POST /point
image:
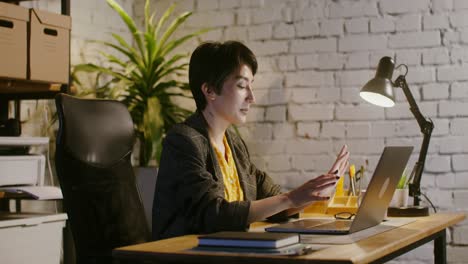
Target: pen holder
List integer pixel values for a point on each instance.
(340, 204)
(319, 207)
(336, 204)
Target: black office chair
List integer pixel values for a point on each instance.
(94, 144)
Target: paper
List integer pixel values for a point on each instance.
(37, 192)
(23, 141)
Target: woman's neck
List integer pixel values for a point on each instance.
(216, 126)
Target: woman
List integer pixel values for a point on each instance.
(206, 181)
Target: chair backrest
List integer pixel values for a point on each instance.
(94, 144)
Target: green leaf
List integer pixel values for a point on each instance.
(113, 59)
(163, 20)
(174, 44)
(129, 22)
(147, 17)
(123, 43)
(174, 25)
(85, 67)
(402, 184)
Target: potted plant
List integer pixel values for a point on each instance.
(143, 78)
(401, 195)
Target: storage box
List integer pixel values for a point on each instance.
(49, 47)
(337, 204)
(31, 238)
(13, 41)
(22, 170)
(343, 204)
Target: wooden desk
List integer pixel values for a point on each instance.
(379, 248)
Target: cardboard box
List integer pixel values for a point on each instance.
(31, 238)
(49, 46)
(13, 41)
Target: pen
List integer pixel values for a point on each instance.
(352, 183)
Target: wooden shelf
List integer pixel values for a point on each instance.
(16, 1)
(25, 89)
(16, 89)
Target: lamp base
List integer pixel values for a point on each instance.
(410, 211)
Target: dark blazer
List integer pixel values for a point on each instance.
(189, 196)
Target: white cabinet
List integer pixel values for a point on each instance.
(31, 238)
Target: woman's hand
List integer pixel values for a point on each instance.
(302, 196)
(310, 190)
(341, 163)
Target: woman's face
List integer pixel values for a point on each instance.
(236, 96)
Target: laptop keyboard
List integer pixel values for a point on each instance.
(335, 225)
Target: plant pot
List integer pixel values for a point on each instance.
(146, 183)
(400, 198)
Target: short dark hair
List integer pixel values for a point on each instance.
(213, 62)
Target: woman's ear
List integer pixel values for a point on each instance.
(208, 92)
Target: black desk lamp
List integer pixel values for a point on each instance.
(379, 91)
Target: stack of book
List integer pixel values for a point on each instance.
(253, 242)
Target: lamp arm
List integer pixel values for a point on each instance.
(426, 126)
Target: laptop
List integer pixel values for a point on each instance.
(374, 204)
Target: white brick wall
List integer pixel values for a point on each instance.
(459, 18)
(358, 130)
(353, 9)
(435, 22)
(415, 39)
(333, 130)
(309, 79)
(331, 27)
(378, 25)
(442, 5)
(306, 28)
(360, 43)
(313, 45)
(276, 114)
(358, 25)
(459, 126)
(259, 32)
(459, 90)
(308, 130)
(403, 6)
(279, 163)
(435, 56)
(357, 60)
(309, 112)
(410, 22)
(315, 55)
(362, 112)
(434, 91)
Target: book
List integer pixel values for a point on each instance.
(249, 239)
(291, 250)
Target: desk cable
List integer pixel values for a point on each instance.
(429, 201)
(49, 167)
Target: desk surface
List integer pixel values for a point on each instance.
(364, 251)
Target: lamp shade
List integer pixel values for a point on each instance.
(379, 91)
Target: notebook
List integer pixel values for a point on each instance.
(253, 242)
(374, 203)
(248, 239)
(297, 249)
